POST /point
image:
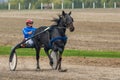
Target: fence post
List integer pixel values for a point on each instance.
(41, 6)
(114, 4)
(93, 4)
(72, 5)
(62, 6)
(18, 6)
(104, 5)
(52, 5)
(29, 6)
(83, 6)
(8, 6)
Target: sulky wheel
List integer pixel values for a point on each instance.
(13, 61)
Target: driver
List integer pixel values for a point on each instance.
(28, 32)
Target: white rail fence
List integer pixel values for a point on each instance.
(62, 6)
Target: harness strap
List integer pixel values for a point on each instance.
(57, 38)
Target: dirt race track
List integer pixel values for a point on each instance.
(95, 29)
(78, 69)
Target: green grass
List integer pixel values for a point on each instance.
(5, 50)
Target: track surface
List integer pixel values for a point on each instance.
(78, 69)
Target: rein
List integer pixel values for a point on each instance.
(18, 45)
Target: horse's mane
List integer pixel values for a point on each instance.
(57, 20)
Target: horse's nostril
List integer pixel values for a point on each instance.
(72, 29)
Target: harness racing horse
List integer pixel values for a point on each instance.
(54, 39)
(50, 38)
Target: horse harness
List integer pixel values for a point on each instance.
(52, 40)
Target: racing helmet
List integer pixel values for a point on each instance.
(29, 21)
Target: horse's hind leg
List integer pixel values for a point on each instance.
(50, 59)
(37, 58)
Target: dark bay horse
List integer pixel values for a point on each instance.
(54, 39)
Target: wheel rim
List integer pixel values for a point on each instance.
(13, 63)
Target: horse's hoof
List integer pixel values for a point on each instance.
(51, 63)
(62, 70)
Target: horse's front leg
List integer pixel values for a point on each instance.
(37, 58)
(59, 63)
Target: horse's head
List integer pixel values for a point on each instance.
(67, 20)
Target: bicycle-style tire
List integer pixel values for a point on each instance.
(13, 61)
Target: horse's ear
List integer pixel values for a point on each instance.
(63, 13)
(70, 13)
